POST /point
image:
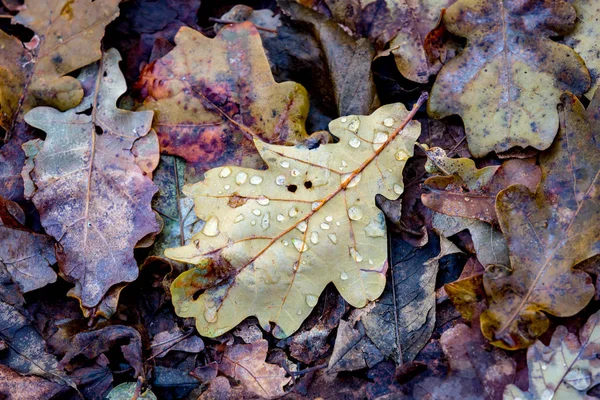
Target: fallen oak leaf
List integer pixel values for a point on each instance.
(548, 232)
(246, 363)
(175, 340)
(274, 239)
(353, 349)
(90, 194)
(211, 97)
(566, 368)
(506, 83)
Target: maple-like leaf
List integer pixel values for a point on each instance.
(90, 194)
(246, 363)
(274, 239)
(212, 96)
(566, 368)
(27, 256)
(585, 39)
(507, 82)
(67, 37)
(548, 232)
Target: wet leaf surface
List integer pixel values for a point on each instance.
(267, 233)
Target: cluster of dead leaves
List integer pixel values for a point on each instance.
(180, 194)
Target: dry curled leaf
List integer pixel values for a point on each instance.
(246, 363)
(90, 194)
(274, 239)
(507, 82)
(585, 39)
(566, 368)
(27, 256)
(548, 232)
(212, 96)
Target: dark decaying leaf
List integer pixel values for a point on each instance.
(27, 256)
(26, 352)
(548, 232)
(402, 320)
(93, 343)
(353, 349)
(144, 24)
(175, 340)
(347, 61)
(311, 342)
(17, 387)
(475, 371)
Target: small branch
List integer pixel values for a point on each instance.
(302, 372)
(225, 21)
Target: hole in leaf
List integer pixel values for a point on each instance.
(308, 184)
(292, 188)
(98, 130)
(197, 294)
(87, 111)
(105, 74)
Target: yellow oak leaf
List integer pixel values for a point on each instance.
(507, 81)
(274, 239)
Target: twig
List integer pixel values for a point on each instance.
(302, 372)
(225, 21)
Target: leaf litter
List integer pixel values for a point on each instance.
(487, 251)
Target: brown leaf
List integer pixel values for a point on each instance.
(89, 192)
(506, 83)
(348, 61)
(26, 353)
(548, 232)
(468, 192)
(476, 372)
(213, 96)
(93, 343)
(16, 387)
(26, 255)
(353, 349)
(246, 363)
(175, 340)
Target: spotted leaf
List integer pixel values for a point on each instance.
(274, 239)
(212, 96)
(507, 82)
